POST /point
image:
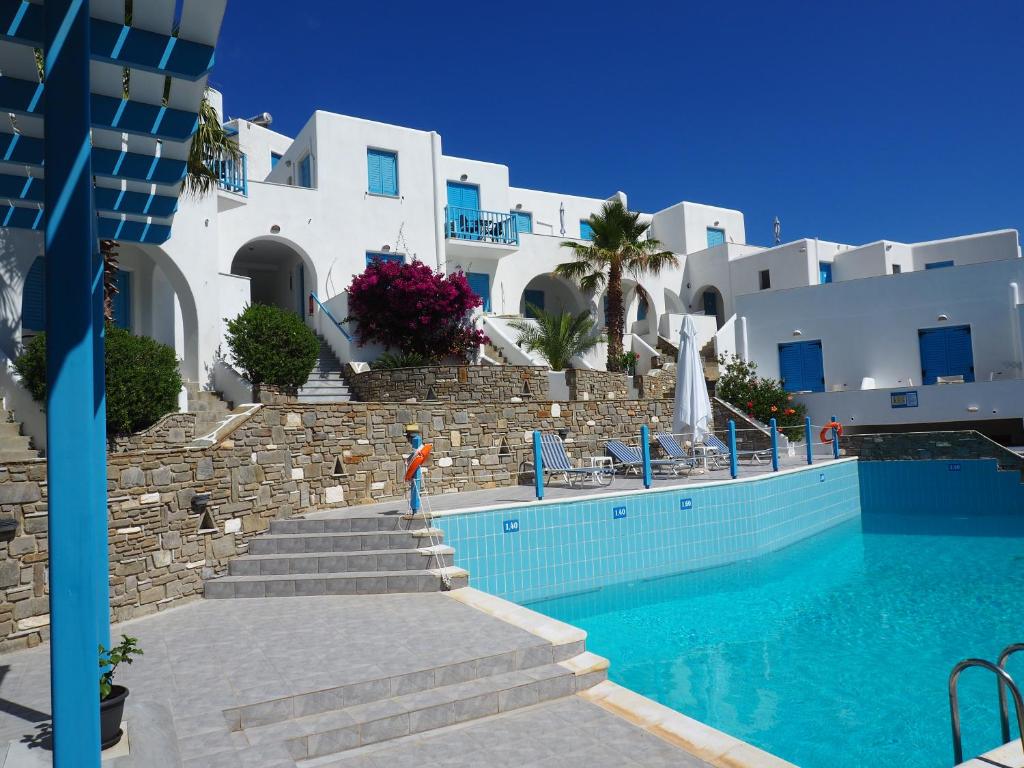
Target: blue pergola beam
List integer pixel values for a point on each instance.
(77, 508)
(139, 203)
(23, 97)
(130, 231)
(22, 22)
(110, 163)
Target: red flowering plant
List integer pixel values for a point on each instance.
(412, 308)
(760, 398)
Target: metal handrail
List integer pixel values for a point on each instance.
(1004, 715)
(484, 226)
(333, 319)
(954, 707)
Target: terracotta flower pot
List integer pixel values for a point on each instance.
(111, 713)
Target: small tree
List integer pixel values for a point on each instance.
(272, 346)
(760, 398)
(412, 308)
(557, 337)
(142, 379)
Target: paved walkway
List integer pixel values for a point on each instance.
(208, 656)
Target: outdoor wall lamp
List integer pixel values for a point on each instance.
(798, 332)
(519, 206)
(464, 177)
(385, 248)
(942, 318)
(275, 229)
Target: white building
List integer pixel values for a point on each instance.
(304, 215)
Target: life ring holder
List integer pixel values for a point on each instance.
(825, 436)
(417, 459)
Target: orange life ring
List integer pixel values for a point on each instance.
(825, 436)
(417, 460)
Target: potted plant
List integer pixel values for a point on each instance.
(112, 697)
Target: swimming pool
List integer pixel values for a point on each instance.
(834, 652)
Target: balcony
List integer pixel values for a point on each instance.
(473, 232)
(232, 175)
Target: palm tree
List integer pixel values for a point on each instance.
(558, 337)
(619, 245)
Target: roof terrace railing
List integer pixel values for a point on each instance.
(481, 226)
(232, 175)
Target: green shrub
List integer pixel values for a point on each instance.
(761, 398)
(142, 377)
(272, 346)
(401, 360)
(558, 337)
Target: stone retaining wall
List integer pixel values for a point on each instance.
(451, 383)
(658, 384)
(901, 446)
(281, 461)
(172, 430)
(585, 384)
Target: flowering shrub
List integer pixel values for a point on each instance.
(762, 399)
(414, 309)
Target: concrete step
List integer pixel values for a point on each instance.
(329, 543)
(322, 382)
(348, 583)
(9, 429)
(355, 522)
(337, 731)
(15, 443)
(326, 398)
(382, 560)
(6, 456)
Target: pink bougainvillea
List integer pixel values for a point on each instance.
(412, 308)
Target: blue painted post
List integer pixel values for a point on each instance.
(835, 441)
(99, 388)
(807, 439)
(773, 425)
(645, 453)
(75, 464)
(538, 466)
(733, 465)
(414, 487)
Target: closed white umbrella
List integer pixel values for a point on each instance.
(693, 416)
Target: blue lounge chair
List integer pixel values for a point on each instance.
(675, 451)
(720, 451)
(629, 459)
(555, 461)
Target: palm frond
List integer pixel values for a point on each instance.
(556, 336)
(210, 144)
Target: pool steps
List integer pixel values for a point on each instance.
(344, 555)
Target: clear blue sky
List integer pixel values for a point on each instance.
(901, 119)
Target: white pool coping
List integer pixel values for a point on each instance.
(692, 736)
(1010, 755)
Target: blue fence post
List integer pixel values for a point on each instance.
(645, 453)
(416, 441)
(835, 441)
(733, 465)
(807, 439)
(538, 466)
(773, 425)
(76, 508)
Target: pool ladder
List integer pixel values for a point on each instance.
(1004, 682)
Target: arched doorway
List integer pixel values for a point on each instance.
(551, 294)
(708, 300)
(279, 273)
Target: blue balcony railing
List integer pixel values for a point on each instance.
(232, 175)
(481, 226)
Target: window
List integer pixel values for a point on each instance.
(382, 171)
(586, 231)
(532, 298)
(800, 367)
(274, 158)
(372, 256)
(480, 284)
(33, 302)
(896, 269)
(938, 264)
(710, 299)
(524, 222)
(715, 237)
(946, 352)
(765, 279)
(306, 171)
(824, 272)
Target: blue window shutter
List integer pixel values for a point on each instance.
(524, 222)
(33, 303)
(586, 231)
(641, 311)
(274, 158)
(946, 352)
(801, 367)
(825, 272)
(715, 236)
(813, 366)
(389, 173)
(959, 352)
(480, 284)
(372, 256)
(536, 298)
(306, 172)
(123, 301)
(710, 303)
(463, 196)
(938, 264)
(375, 182)
(791, 368)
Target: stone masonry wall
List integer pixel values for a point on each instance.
(172, 430)
(281, 461)
(658, 384)
(585, 384)
(964, 444)
(451, 383)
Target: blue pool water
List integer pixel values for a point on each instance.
(833, 652)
